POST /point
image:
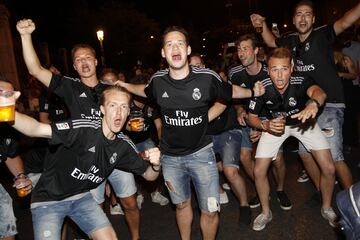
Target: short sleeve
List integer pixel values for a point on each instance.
(9, 148)
(64, 133)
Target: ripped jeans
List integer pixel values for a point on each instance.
(199, 168)
(8, 221)
(331, 122)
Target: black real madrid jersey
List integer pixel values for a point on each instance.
(184, 106)
(93, 158)
(81, 100)
(292, 101)
(315, 57)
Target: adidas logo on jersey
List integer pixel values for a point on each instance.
(83, 95)
(269, 102)
(165, 95)
(92, 149)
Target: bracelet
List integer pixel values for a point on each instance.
(156, 170)
(252, 92)
(20, 176)
(311, 100)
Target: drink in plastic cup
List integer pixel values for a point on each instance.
(20, 190)
(282, 116)
(259, 29)
(135, 118)
(7, 106)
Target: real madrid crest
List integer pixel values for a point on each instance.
(196, 94)
(292, 102)
(113, 158)
(307, 47)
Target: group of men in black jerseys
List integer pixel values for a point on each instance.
(301, 84)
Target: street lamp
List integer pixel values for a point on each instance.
(100, 36)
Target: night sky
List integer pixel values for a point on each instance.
(63, 23)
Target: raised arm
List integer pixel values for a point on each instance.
(259, 21)
(25, 27)
(137, 89)
(31, 127)
(347, 20)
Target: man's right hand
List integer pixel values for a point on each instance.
(25, 26)
(257, 20)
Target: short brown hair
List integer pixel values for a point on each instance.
(115, 88)
(280, 53)
(82, 45)
(254, 40)
(304, 3)
(176, 29)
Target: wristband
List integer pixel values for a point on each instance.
(252, 93)
(311, 100)
(20, 176)
(156, 170)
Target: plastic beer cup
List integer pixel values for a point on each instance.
(7, 106)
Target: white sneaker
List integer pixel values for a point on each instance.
(139, 200)
(261, 221)
(304, 177)
(157, 197)
(116, 210)
(331, 216)
(224, 198)
(226, 186)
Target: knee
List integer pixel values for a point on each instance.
(231, 173)
(329, 169)
(245, 156)
(259, 172)
(183, 205)
(209, 215)
(129, 203)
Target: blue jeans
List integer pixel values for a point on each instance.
(331, 122)
(142, 146)
(123, 184)
(349, 208)
(8, 220)
(85, 212)
(200, 168)
(245, 140)
(227, 144)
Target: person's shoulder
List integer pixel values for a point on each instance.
(205, 72)
(235, 70)
(159, 74)
(123, 138)
(266, 82)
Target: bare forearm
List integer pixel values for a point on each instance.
(347, 20)
(32, 61)
(216, 110)
(137, 89)
(268, 36)
(15, 165)
(240, 92)
(31, 127)
(150, 174)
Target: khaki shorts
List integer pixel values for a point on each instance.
(310, 136)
